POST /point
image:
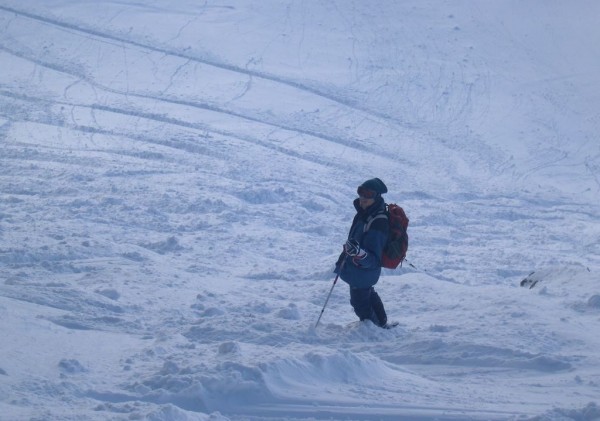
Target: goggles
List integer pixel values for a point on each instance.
(365, 193)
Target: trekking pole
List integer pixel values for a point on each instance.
(329, 295)
(425, 271)
(413, 266)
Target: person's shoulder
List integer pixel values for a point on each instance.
(379, 221)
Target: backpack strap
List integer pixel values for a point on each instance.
(380, 215)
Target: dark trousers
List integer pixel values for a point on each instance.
(367, 305)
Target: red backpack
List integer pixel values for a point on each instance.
(395, 249)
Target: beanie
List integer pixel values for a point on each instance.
(376, 185)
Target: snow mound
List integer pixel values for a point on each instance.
(316, 368)
(319, 376)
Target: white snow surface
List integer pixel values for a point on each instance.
(177, 178)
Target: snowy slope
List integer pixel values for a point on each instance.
(176, 183)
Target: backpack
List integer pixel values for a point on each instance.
(395, 249)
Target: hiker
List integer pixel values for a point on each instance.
(359, 264)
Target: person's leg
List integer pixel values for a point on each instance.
(360, 298)
(378, 307)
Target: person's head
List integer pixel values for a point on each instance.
(370, 191)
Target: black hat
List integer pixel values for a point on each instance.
(374, 184)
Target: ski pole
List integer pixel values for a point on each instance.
(413, 266)
(425, 271)
(329, 295)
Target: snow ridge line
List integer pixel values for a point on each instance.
(220, 65)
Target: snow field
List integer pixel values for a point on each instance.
(176, 183)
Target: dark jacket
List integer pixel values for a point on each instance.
(365, 273)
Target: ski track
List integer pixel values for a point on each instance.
(183, 103)
(397, 132)
(280, 125)
(140, 113)
(293, 84)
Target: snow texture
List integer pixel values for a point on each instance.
(176, 182)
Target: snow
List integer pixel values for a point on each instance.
(176, 181)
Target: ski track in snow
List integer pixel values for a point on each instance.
(170, 216)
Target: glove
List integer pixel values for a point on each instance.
(352, 248)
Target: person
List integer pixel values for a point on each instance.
(359, 264)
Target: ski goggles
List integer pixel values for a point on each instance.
(365, 193)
